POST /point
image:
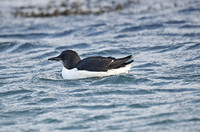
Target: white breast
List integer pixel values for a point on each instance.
(78, 74)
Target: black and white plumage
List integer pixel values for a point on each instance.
(95, 66)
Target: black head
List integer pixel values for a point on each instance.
(69, 58)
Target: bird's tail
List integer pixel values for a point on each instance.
(121, 62)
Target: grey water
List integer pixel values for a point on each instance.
(160, 93)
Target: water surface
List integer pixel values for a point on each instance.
(161, 92)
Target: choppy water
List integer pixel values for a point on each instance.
(161, 92)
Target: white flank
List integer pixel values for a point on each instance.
(78, 74)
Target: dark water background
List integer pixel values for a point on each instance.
(161, 92)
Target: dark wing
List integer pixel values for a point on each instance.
(95, 63)
(121, 62)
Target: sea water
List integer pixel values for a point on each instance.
(160, 93)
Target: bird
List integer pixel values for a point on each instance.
(94, 66)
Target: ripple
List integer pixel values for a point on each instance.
(98, 107)
(170, 34)
(118, 79)
(152, 64)
(163, 48)
(61, 34)
(96, 33)
(193, 120)
(96, 118)
(51, 121)
(168, 78)
(196, 101)
(8, 123)
(91, 107)
(24, 47)
(173, 90)
(191, 35)
(163, 122)
(114, 92)
(26, 112)
(142, 27)
(109, 52)
(74, 46)
(187, 26)
(17, 113)
(15, 47)
(175, 22)
(97, 25)
(138, 106)
(74, 127)
(161, 83)
(194, 58)
(57, 79)
(106, 41)
(14, 92)
(26, 97)
(37, 35)
(194, 46)
(191, 9)
(122, 36)
(167, 114)
(6, 46)
(47, 100)
(25, 36)
(78, 90)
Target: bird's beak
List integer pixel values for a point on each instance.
(55, 58)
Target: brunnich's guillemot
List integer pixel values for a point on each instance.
(95, 66)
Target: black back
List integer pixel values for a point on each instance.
(98, 63)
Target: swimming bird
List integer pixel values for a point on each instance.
(95, 66)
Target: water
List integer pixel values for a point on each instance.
(161, 92)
